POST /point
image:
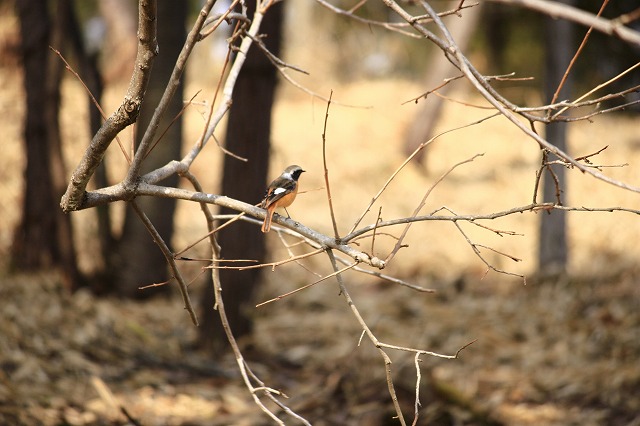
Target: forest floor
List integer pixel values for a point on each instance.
(553, 353)
(560, 351)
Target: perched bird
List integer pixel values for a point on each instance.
(280, 193)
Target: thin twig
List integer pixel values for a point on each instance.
(270, 264)
(207, 132)
(407, 161)
(373, 235)
(279, 63)
(423, 352)
(388, 278)
(477, 252)
(600, 86)
(93, 100)
(576, 55)
(304, 287)
(586, 157)
(398, 245)
(182, 286)
(297, 261)
(417, 404)
(217, 20)
(233, 219)
(371, 336)
(326, 169)
(178, 115)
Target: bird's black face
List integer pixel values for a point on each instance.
(294, 171)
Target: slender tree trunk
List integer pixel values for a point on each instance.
(248, 135)
(138, 260)
(553, 248)
(422, 127)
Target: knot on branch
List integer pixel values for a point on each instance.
(129, 110)
(372, 260)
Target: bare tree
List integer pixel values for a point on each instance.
(344, 252)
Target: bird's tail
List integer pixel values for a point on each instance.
(266, 225)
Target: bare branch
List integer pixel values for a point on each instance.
(397, 27)
(218, 19)
(576, 55)
(600, 86)
(388, 278)
(558, 10)
(227, 92)
(297, 261)
(125, 115)
(174, 81)
(378, 344)
(370, 335)
(178, 193)
(478, 81)
(534, 207)
(524, 118)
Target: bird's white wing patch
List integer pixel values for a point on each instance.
(279, 190)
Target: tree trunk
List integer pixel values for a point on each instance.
(553, 249)
(248, 135)
(90, 73)
(44, 236)
(138, 260)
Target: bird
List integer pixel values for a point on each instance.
(280, 193)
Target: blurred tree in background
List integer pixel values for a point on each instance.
(43, 238)
(136, 260)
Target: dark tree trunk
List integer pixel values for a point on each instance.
(90, 74)
(44, 236)
(138, 260)
(553, 249)
(248, 135)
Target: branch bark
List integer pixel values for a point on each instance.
(124, 116)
